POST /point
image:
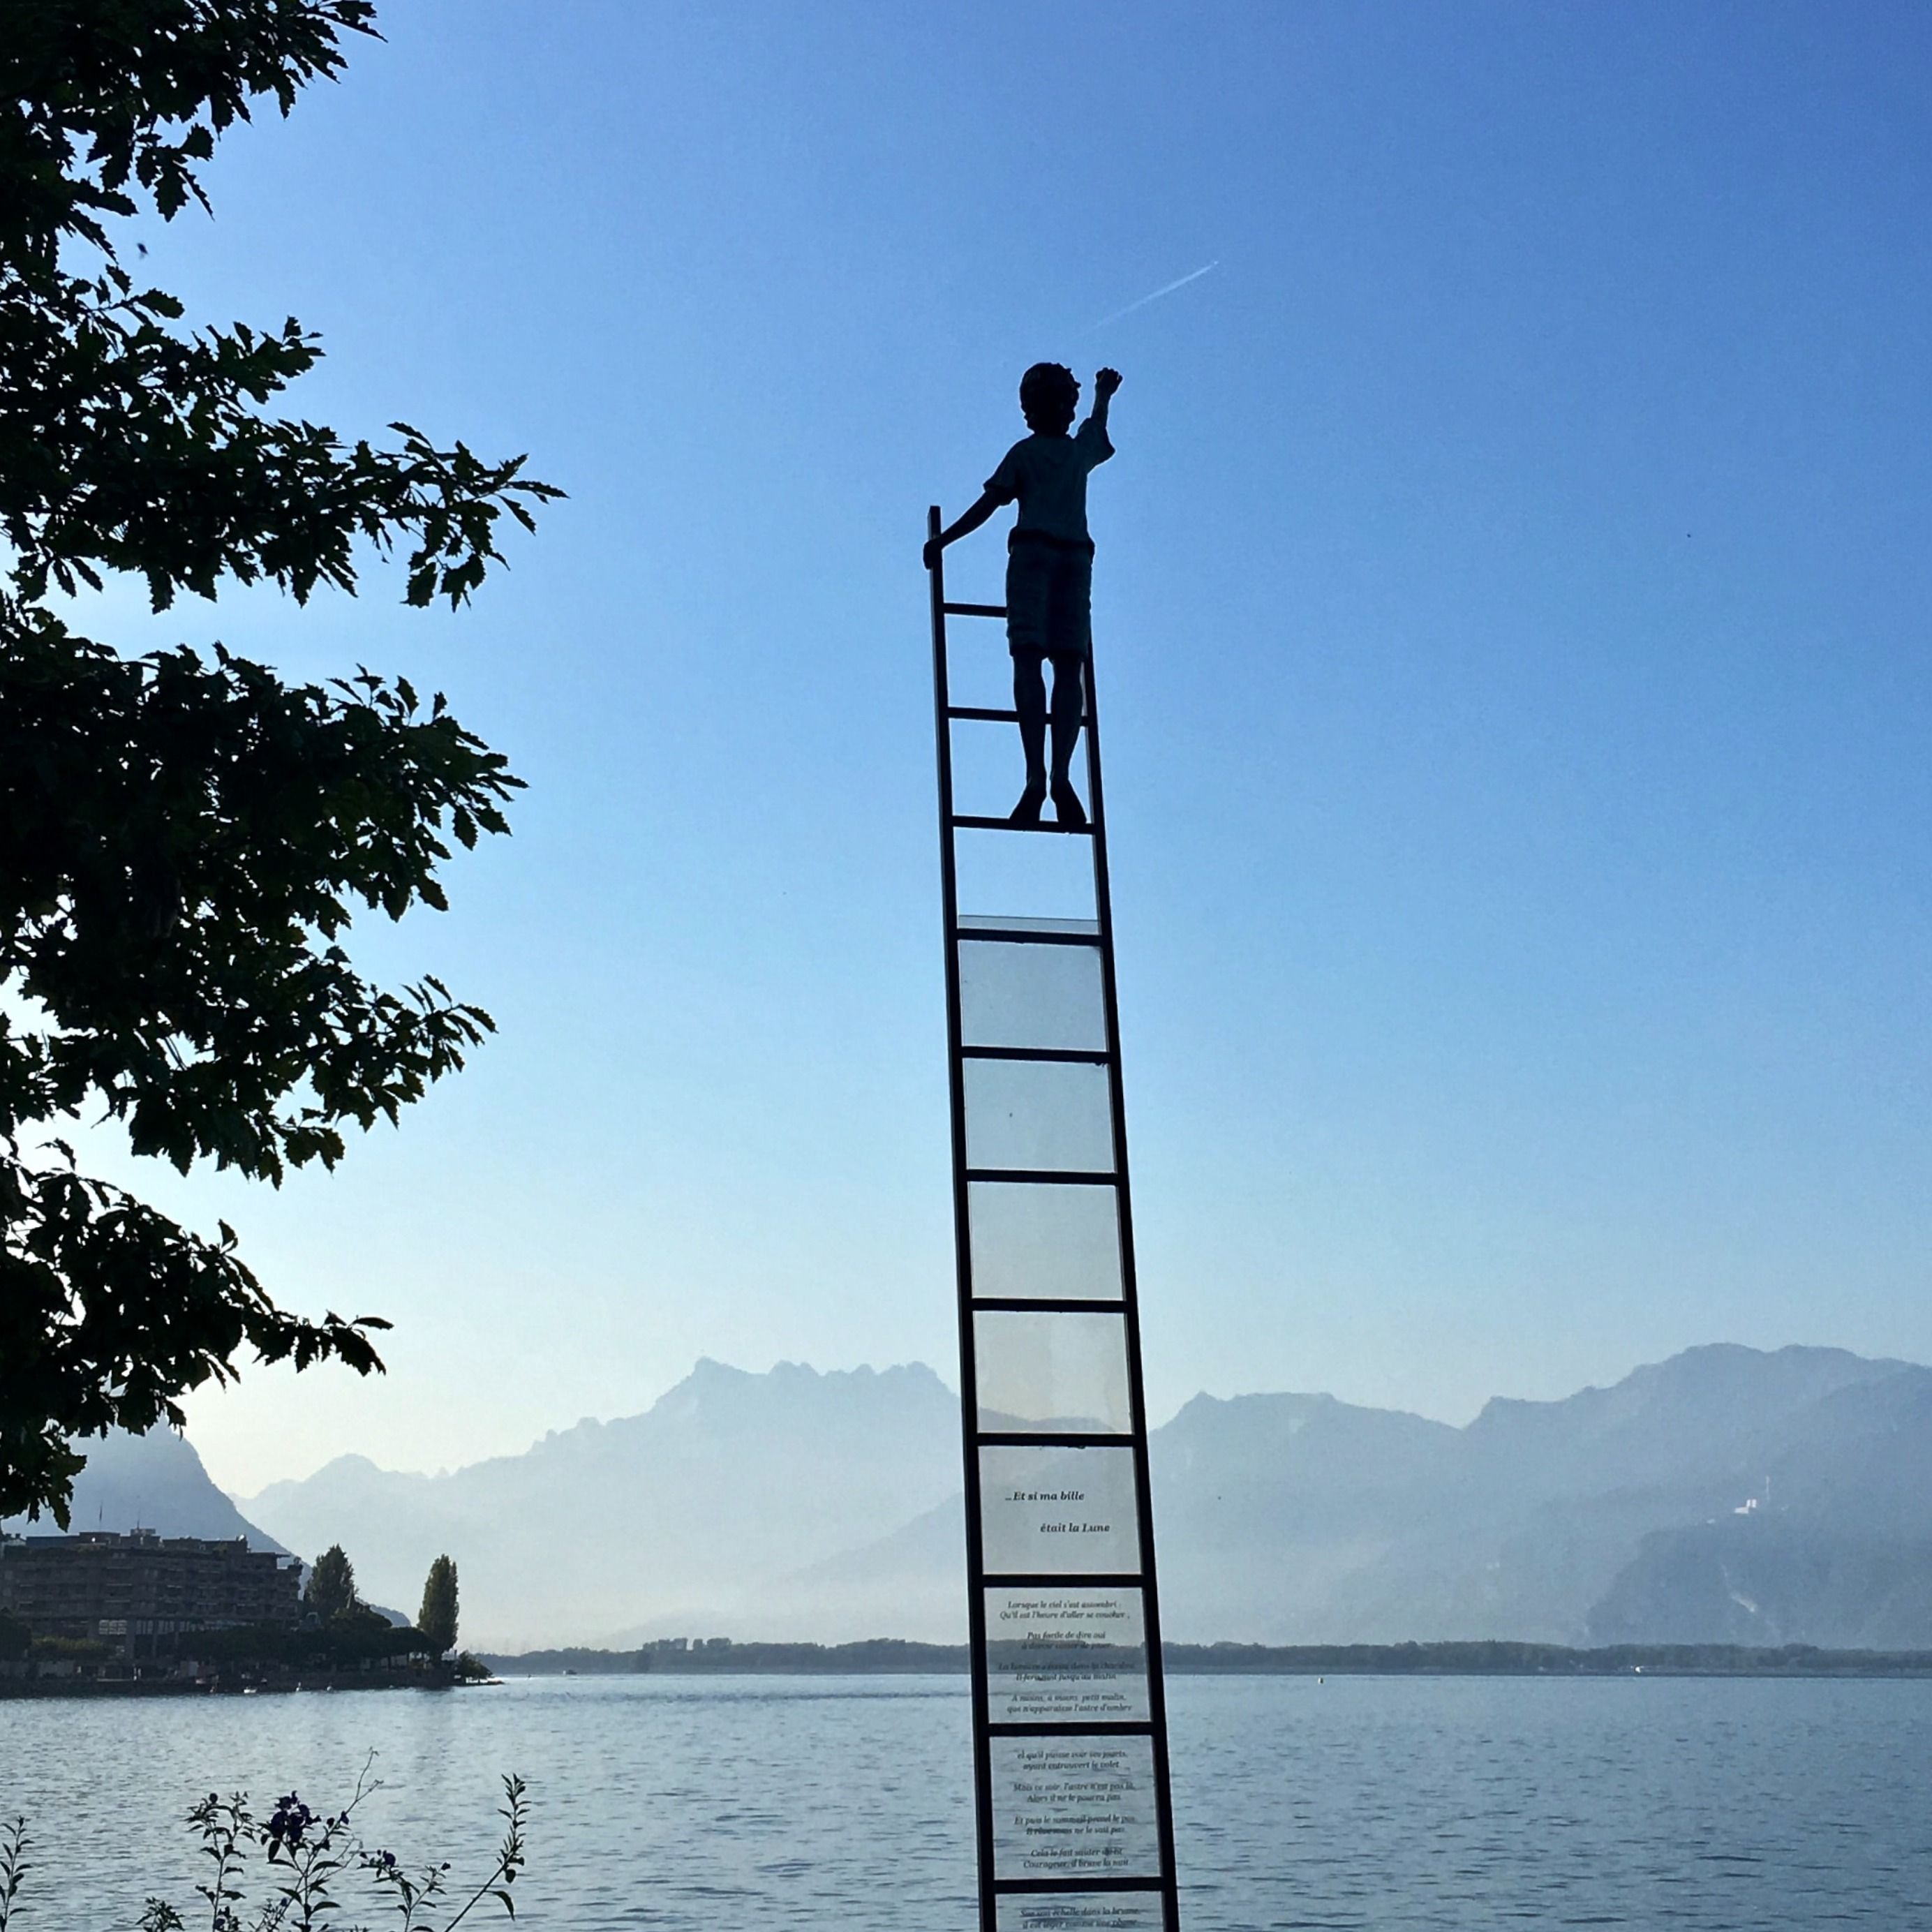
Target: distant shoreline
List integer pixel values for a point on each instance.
(887, 1656)
(282, 1684)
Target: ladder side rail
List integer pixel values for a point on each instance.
(962, 1249)
(1103, 906)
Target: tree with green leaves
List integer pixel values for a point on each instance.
(330, 1591)
(436, 1619)
(185, 837)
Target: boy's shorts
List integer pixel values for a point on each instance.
(1049, 595)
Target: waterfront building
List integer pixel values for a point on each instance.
(140, 1592)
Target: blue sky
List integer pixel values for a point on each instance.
(1512, 608)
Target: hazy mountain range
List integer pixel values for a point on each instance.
(1724, 1495)
(155, 1481)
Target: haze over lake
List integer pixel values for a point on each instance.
(754, 1804)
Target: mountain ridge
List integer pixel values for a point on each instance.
(825, 1506)
(155, 1481)
(702, 1474)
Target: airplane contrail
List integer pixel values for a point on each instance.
(1157, 294)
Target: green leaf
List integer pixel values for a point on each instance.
(182, 838)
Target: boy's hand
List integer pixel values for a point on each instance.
(1106, 383)
(981, 510)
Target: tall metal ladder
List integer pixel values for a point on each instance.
(1069, 1717)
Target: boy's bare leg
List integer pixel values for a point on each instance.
(1069, 692)
(1029, 701)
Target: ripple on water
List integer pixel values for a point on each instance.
(740, 1804)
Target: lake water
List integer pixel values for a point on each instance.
(743, 1804)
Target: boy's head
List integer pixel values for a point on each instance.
(1049, 394)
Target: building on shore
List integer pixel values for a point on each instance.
(139, 1594)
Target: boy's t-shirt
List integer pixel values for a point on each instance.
(1046, 476)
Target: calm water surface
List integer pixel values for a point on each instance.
(743, 1804)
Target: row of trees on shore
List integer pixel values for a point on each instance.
(330, 1598)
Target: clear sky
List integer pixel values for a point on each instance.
(1512, 612)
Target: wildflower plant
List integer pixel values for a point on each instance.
(302, 1870)
(13, 1867)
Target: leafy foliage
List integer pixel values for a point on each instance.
(71, 1649)
(185, 839)
(330, 1590)
(436, 1619)
(310, 1857)
(310, 1861)
(350, 1640)
(13, 1867)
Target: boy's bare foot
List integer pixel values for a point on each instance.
(1066, 806)
(1027, 812)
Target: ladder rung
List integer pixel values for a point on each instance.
(974, 609)
(1061, 1580)
(1049, 1304)
(1028, 936)
(985, 714)
(973, 822)
(1078, 1056)
(1070, 1178)
(1049, 1438)
(1018, 935)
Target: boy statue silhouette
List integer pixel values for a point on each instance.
(1049, 572)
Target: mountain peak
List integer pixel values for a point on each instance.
(1724, 1384)
(803, 1502)
(155, 1481)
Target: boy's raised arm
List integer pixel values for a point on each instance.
(965, 525)
(1105, 384)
